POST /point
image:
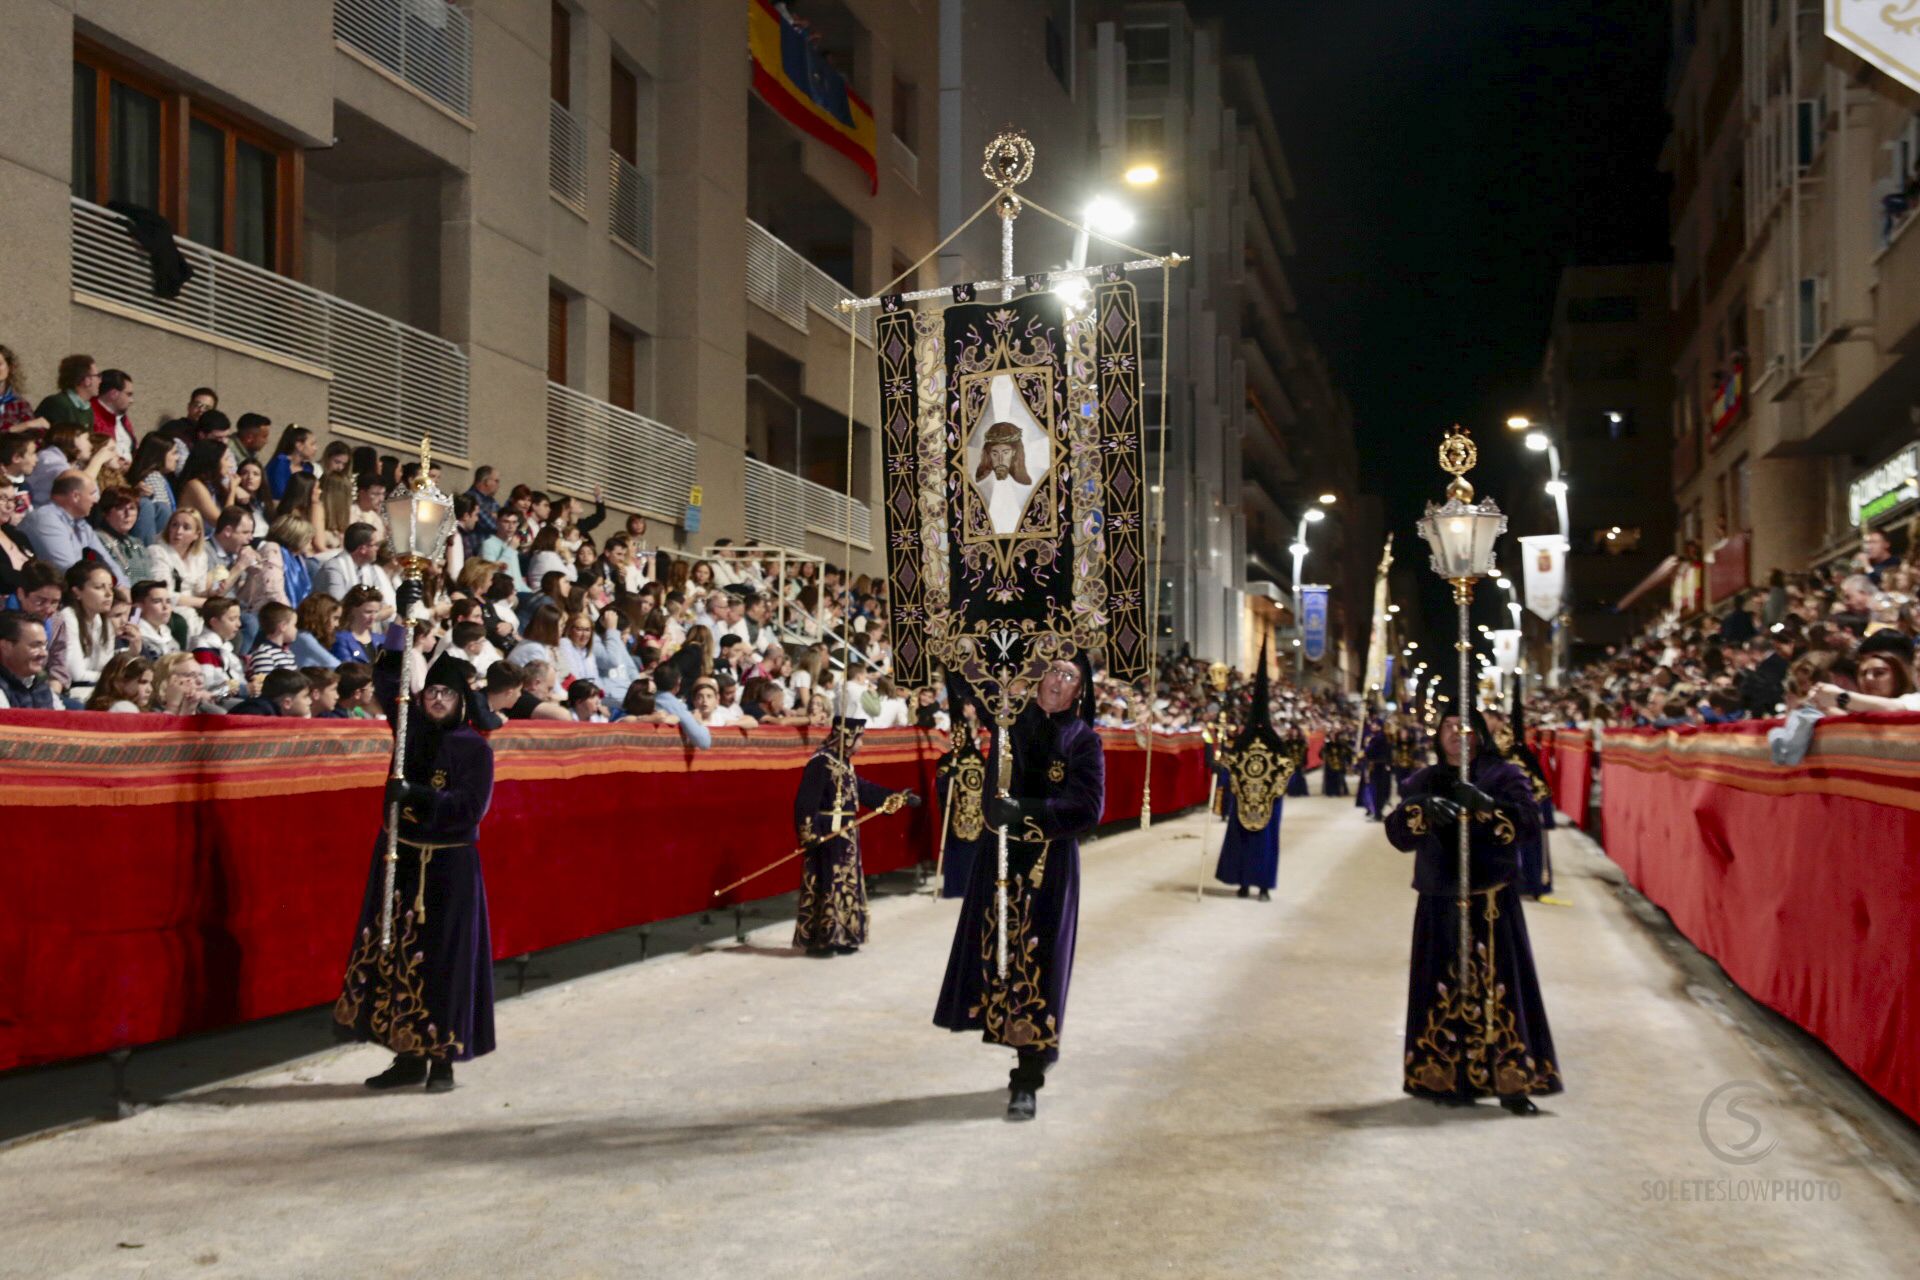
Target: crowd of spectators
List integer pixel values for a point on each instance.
(216, 564)
(1836, 639)
(1187, 699)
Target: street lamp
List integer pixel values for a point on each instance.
(1142, 174)
(1461, 534)
(1542, 442)
(1312, 515)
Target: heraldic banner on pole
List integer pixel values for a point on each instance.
(1014, 481)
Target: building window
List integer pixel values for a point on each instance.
(1612, 309)
(906, 113)
(1149, 56)
(1146, 136)
(560, 55)
(556, 337)
(622, 366)
(1057, 53)
(623, 128)
(224, 183)
(1603, 365)
(1813, 313)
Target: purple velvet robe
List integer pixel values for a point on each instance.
(1461, 1043)
(1059, 761)
(432, 993)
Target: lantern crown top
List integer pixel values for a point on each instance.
(1008, 160)
(1457, 457)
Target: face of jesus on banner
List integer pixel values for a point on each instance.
(1008, 455)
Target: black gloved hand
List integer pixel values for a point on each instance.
(1004, 812)
(400, 791)
(1441, 812)
(1470, 797)
(409, 594)
(913, 799)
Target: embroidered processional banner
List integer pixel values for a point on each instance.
(1011, 448)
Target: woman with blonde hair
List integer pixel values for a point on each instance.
(125, 685)
(180, 560)
(178, 687)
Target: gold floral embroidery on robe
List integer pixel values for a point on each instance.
(1469, 1043)
(392, 981)
(1014, 1012)
(832, 911)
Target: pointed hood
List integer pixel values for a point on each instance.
(1259, 725)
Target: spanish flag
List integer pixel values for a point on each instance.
(796, 80)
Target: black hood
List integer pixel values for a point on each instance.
(1259, 724)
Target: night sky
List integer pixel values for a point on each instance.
(1449, 160)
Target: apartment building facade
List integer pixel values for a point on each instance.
(564, 238)
(1256, 428)
(1607, 388)
(1797, 397)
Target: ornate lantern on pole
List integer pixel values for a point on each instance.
(1462, 534)
(418, 522)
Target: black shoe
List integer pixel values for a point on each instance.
(844, 951)
(1520, 1105)
(1265, 896)
(440, 1076)
(407, 1072)
(1021, 1104)
(820, 952)
(1243, 892)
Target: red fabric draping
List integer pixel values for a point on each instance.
(162, 876)
(1572, 778)
(1802, 881)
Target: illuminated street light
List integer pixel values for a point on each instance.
(1313, 515)
(1557, 488)
(1506, 584)
(1142, 175)
(1393, 608)
(1519, 422)
(1328, 499)
(1108, 216)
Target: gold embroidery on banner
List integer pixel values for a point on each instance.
(1259, 778)
(439, 779)
(969, 790)
(1057, 772)
(1416, 819)
(400, 1019)
(1469, 1043)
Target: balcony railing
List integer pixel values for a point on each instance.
(427, 43)
(783, 508)
(630, 219)
(781, 280)
(904, 161)
(388, 380)
(642, 464)
(566, 157)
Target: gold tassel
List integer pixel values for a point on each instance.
(420, 894)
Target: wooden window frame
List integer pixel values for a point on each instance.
(178, 111)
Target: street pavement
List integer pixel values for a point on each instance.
(1228, 1104)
